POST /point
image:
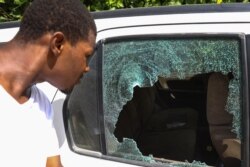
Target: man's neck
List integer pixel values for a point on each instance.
(18, 70)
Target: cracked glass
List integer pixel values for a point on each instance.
(155, 98)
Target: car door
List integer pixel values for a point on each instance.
(150, 96)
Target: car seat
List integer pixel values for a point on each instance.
(220, 121)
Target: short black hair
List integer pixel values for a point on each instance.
(70, 17)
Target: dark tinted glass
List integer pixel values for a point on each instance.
(82, 111)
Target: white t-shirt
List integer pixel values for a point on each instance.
(27, 135)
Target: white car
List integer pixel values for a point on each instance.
(168, 86)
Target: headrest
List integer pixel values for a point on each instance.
(217, 93)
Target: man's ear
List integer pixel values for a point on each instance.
(57, 42)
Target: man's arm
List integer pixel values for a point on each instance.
(54, 161)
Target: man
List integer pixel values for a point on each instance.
(54, 42)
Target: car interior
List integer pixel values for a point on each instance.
(182, 120)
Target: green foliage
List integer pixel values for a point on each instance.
(11, 10)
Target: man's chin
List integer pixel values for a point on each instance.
(67, 91)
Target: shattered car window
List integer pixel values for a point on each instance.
(158, 94)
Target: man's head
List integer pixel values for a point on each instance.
(67, 16)
(67, 33)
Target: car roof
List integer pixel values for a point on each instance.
(116, 20)
(181, 9)
(159, 10)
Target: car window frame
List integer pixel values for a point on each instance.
(245, 96)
